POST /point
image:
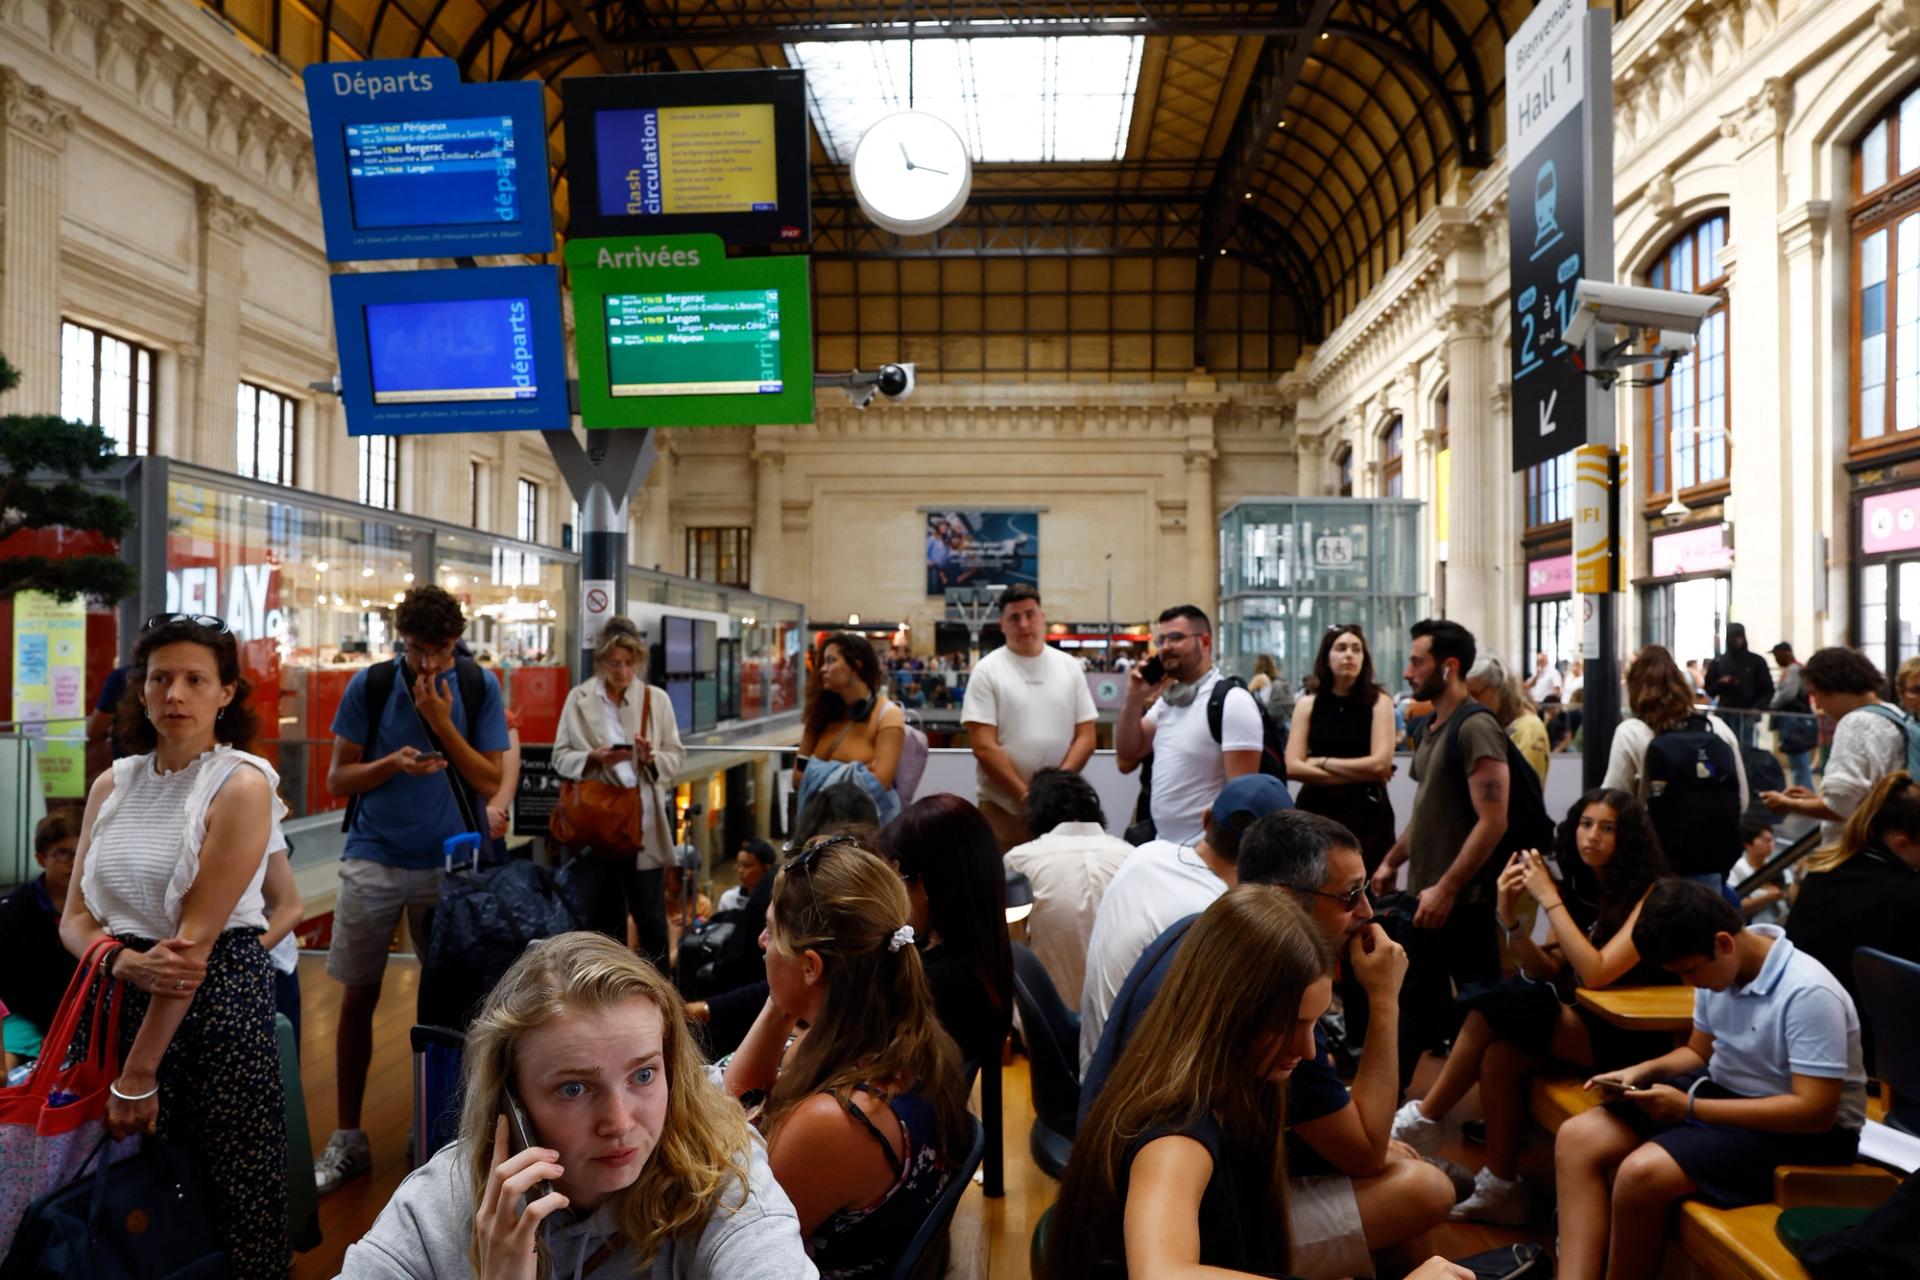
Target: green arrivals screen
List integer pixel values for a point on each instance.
(709, 342)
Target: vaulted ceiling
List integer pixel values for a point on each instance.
(1291, 142)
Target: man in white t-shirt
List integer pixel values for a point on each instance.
(1161, 883)
(1190, 764)
(1028, 708)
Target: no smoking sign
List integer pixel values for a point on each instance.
(596, 606)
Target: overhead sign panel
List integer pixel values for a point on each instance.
(1548, 163)
(714, 152)
(411, 163)
(670, 332)
(434, 351)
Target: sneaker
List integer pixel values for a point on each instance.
(1416, 1130)
(1495, 1200)
(348, 1155)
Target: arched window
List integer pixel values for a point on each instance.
(1886, 281)
(1343, 463)
(1392, 442)
(1685, 434)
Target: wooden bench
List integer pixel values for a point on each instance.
(1737, 1244)
(1641, 1008)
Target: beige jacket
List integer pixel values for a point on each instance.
(583, 727)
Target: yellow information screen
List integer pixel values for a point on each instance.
(697, 159)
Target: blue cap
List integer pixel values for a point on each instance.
(1254, 794)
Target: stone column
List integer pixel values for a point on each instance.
(1203, 533)
(656, 526)
(1478, 464)
(224, 223)
(33, 140)
(1806, 467)
(768, 462)
(1768, 567)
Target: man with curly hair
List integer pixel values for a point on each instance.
(418, 763)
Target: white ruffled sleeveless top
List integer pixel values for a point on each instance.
(146, 844)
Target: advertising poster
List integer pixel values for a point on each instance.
(49, 684)
(982, 549)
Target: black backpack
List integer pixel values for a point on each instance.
(1528, 826)
(1693, 797)
(472, 680)
(1273, 730)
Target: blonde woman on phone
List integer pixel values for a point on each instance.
(593, 1141)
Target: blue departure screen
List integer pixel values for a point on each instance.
(451, 350)
(416, 173)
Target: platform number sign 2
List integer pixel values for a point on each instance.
(1547, 229)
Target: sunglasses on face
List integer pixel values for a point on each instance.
(206, 620)
(1348, 900)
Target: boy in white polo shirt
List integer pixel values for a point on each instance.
(1772, 1075)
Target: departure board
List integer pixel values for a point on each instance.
(451, 350)
(416, 173)
(707, 342)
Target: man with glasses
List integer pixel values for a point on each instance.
(34, 967)
(1190, 761)
(419, 764)
(1353, 1190)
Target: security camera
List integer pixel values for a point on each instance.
(1676, 315)
(897, 381)
(861, 397)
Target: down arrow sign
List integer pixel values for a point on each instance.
(1547, 424)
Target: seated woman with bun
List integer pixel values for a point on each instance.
(641, 1166)
(864, 1112)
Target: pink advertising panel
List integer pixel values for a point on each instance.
(1890, 522)
(1701, 550)
(1552, 576)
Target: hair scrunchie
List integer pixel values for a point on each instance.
(902, 937)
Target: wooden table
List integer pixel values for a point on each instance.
(1641, 1008)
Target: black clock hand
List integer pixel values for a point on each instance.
(909, 159)
(929, 169)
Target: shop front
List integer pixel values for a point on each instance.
(1685, 600)
(1551, 626)
(1886, 566)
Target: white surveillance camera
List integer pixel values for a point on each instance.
(897, 381)
(861, 396)
(1676, 315)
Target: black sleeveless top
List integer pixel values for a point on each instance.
(1341, 727)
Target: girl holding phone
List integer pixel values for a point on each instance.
(630, 1160)
(1608, 858)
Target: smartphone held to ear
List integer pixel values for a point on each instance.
(1153, 671)
(520, 1136)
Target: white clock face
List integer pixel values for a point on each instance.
(911, 173)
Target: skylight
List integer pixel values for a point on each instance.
(1012, 98)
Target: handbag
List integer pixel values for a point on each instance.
(141, 1218)
(605, 816)
(50, 1123)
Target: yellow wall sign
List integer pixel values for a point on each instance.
(1595, 547)
(49, 683)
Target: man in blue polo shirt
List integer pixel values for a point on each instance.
(420, 774)
(1772, 1075)
(1353, 1191)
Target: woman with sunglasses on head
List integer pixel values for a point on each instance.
(629, 1160)
(946, 853)
(173, 851)
(1608, 859)
(1341, 745)
(864, 1112)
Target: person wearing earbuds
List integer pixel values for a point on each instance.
(1459, 818)
(634, 1161)
(173, 851)
(417, 747)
